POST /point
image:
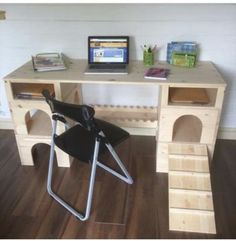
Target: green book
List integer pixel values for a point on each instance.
(184, 59)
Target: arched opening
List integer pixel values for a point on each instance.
(187, 128)
(38, 122)
(40, 153)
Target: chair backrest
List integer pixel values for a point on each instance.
(82, 114)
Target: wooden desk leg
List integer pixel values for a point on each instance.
(162, 157)
(63, 160)
(26, 156)
(26, 145)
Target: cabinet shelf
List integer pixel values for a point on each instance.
(203, 97)
(29, 91)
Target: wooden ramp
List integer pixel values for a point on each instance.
(190, 196)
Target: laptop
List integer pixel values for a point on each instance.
(108, 55)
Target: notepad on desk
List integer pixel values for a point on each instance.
(157, 73)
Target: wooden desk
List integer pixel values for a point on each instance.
(186, 131)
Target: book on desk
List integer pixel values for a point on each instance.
(48, 62)
(157, 73)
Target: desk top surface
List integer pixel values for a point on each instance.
(204, 74)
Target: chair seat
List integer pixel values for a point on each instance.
(79, 142)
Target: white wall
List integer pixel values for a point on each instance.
(32, 28)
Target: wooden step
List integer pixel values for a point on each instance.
(192, 220)
(190, 199)
(192, 163)
(189, 180)
(187, 149)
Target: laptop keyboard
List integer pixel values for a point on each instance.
(107, 66)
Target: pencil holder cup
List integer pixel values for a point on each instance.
(148, 58)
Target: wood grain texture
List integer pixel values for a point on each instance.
(27, 211)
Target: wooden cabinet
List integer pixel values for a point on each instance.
(190, 120)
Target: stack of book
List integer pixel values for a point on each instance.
(48, 62)
(183, 53)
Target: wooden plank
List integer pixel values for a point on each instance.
(30, 104)
(164, 96)
(204, 74)
(187, 149)
(193, 151)
(220, 97)
(188, 163)
(190, 199)
(162, 163)
(189, 180)
(192, 220)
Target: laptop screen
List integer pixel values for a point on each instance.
(108, 49)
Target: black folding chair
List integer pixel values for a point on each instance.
(85, 141)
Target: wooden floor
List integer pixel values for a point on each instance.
(119, 210)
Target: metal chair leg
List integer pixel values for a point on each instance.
(127, 178)
(91, 183)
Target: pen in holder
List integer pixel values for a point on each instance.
(148, 55)
(148, 58)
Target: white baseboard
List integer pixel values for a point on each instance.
(6, 123)
(227, 133)
(224, 133)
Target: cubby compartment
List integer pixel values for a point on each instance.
(185, 96)
(38, 123)
(29, 91)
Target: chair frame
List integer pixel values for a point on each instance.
(126, 177)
